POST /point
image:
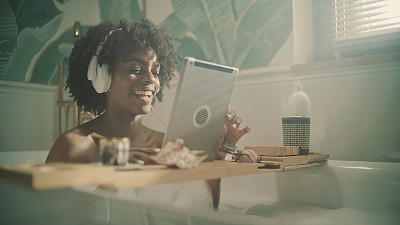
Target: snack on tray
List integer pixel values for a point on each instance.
(249, 155)
(175, 154)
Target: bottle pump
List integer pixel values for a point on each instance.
(299, 103)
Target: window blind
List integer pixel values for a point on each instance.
(366, 26)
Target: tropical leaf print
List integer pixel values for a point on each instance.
(240, 33)
(8, 35)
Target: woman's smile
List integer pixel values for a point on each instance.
(146, 96)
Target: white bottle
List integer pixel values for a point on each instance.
(296, 127)
(299, 103)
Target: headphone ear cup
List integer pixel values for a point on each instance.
(102, 82)
(99, 76)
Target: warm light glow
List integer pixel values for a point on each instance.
(388, 14)
(77, 29)
(365, 16)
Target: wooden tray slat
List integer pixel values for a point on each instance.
(275, 150)
(285, 161)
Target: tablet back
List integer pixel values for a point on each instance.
(201, 104)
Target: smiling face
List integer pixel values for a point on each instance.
(135, 83)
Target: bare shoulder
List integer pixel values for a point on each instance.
(75, 145)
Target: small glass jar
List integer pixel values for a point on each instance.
(114, 151)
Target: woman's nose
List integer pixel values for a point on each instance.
(149, 77)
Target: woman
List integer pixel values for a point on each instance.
(116, 71)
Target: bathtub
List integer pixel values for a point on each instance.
(340, 192)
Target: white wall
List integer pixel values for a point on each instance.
(355, 108)
(354, 112)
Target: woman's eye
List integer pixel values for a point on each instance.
(156, 74)
(134, 71)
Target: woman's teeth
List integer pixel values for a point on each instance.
(148, 93)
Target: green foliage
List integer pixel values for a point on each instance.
(244, 34)
(33, 13)
(46, 68)
(29, 42)
(25, 27)
(114, 10)
(240, 33)
(8, 35)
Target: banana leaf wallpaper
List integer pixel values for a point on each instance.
(241, 33)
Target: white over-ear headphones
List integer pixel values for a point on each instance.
(99, 75)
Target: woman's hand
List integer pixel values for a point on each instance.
(231, 132)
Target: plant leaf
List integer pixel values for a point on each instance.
(263, 30)
(174, 26)
(30, 41)
(8, 35)
(240, 33)
(115, 10)
(34, 13)
(212, 22)
(46, 67)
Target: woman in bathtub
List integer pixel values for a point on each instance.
(137, 60)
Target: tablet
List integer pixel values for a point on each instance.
(201, 103)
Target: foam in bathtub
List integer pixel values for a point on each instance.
(193, 195)
(302, 214)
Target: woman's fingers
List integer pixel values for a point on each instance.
(231, 116)
(244, 130)
(231, 131)
(233, 120)
(237, 122)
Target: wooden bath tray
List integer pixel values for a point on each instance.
(66, 175)
(62, 175)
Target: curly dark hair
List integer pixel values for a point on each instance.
(122, 42)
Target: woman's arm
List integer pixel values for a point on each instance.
(231, 133)
(215, 187)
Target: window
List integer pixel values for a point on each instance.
(363, 27)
